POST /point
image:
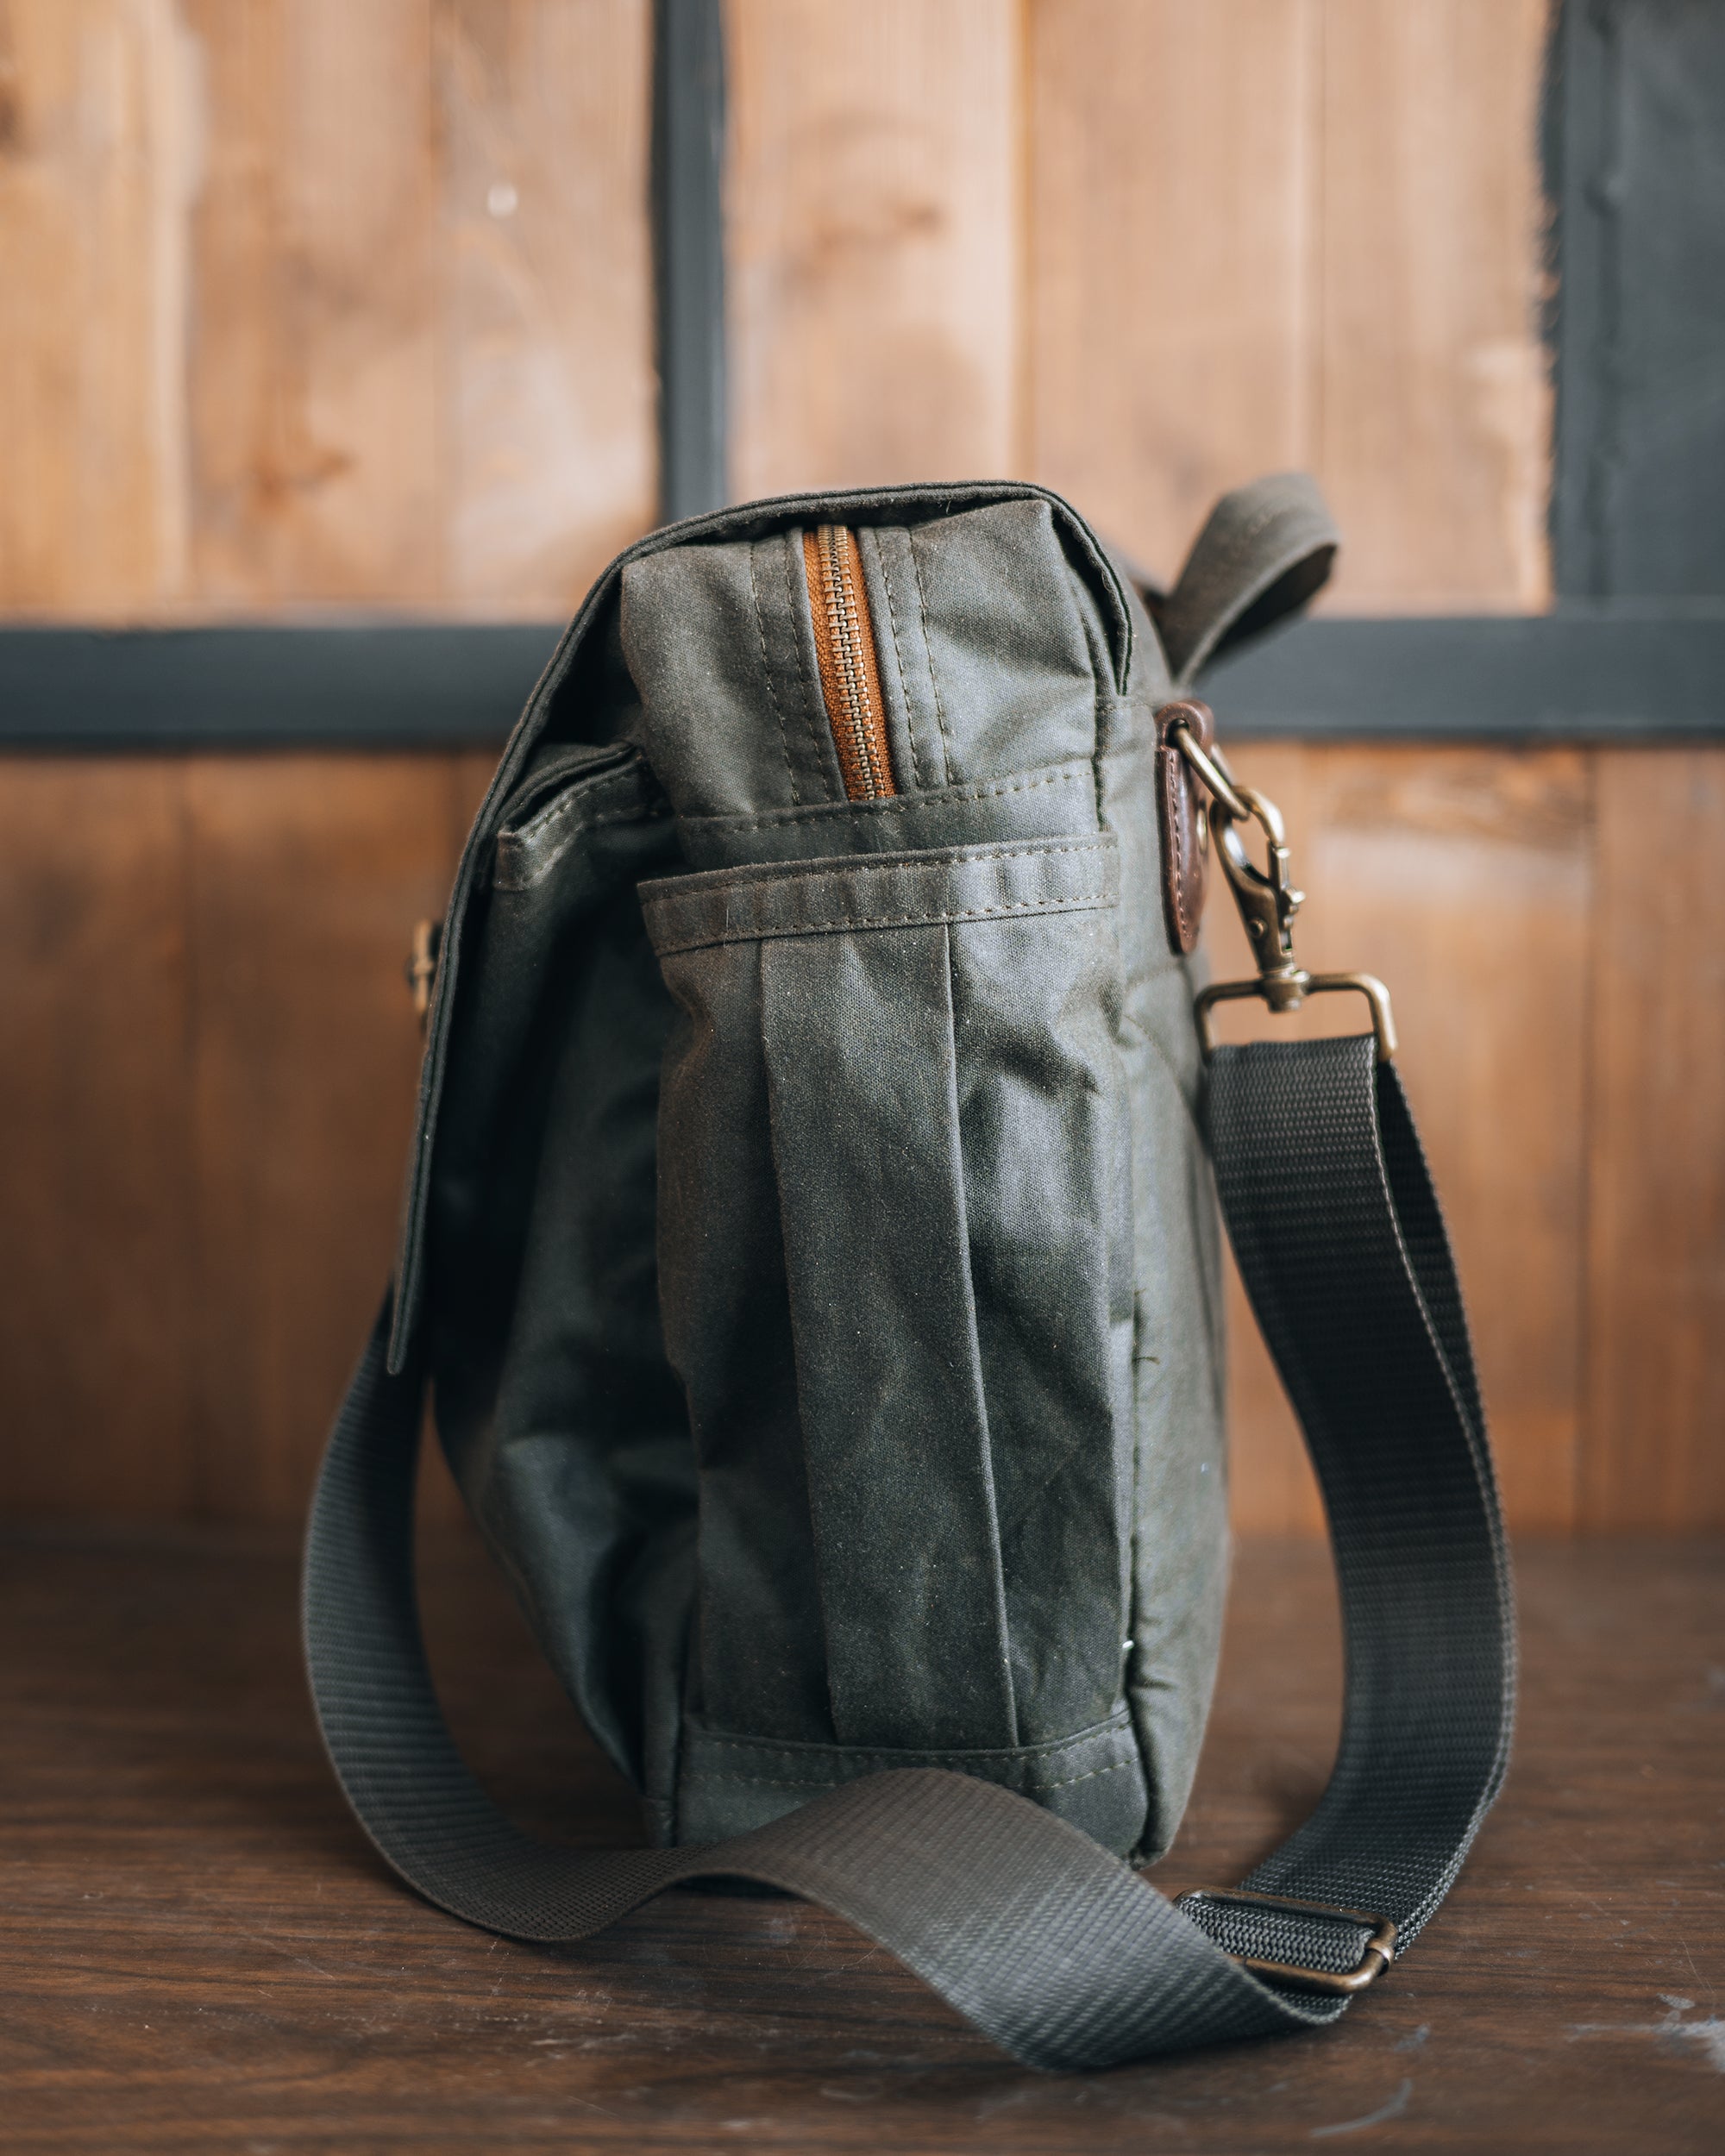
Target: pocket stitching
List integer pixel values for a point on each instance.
(895, 805)
(1076, 904)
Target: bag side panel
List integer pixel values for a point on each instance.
(949, 1113)
(940, 1238)
(556, 1407)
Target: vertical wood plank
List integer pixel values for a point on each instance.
(1654, 1449)
(1464, 875)
(1434, 426)
(97, 1254)
(1170, 208)
(316, 445)
(308, 874)
(1265, 233)
(872, 230)
(543, 121)
(1463, 879)
(95, 136)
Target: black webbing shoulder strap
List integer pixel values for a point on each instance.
(1059, 1953)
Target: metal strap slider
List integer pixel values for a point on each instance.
(1376, 1956)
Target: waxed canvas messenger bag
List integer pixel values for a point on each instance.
(810, 1249)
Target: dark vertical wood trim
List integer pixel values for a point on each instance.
(688, 239)
(1633, 146)
(1581, 136)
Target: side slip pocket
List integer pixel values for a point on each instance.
(896, 1278)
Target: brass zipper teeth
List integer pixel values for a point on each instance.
(849, 671)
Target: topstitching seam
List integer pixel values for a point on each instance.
(804, 1782)
(766, 668)
(780, 873)
(895, 805)
(579, 791)
(1118, 1724)
(933, 679)
(899, 660)
(771, 932)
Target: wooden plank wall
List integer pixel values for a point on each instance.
(310, 305)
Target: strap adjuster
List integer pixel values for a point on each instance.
(1376, 1956)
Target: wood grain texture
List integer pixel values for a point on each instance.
(1170, 336)
(872, 195)
(96, 129)
(269, 336)
(97, 1259)
(206, 1083)
(312, 303)
(307, 875)
(549, 332)
(337, 305)
(1267, 233)
(1463, 880)
(313, 383)
(1434, 412)
(198, 1953)
(1654, 1451)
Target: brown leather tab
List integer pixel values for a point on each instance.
(1185, 831)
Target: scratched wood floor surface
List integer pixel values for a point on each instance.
(198, 1953)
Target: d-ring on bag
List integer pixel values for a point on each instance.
(811, 1247)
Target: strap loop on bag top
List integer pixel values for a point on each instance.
(1050, 1947)
(1264, 551)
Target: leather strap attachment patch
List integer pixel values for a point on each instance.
(1185, 831)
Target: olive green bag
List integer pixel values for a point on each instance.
(812, 1252)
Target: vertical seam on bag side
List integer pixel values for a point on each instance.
(899, 661)
(956, 1109)
(772, 692)
(1177, 832)
(933, 678)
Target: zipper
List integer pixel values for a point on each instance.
(849, 671)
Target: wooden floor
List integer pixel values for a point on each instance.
(198, 1953)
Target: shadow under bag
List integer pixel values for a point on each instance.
(811, 1249)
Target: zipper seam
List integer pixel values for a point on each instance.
(848, 661)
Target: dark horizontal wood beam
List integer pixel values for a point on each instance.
(371, 685)
(1618, 670)
(1604, 673)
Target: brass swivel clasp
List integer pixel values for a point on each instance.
(1267, 901)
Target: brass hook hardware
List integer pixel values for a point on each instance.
(1212, 766)
(1268, 902)
(420, 969)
